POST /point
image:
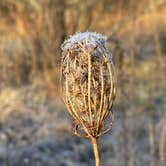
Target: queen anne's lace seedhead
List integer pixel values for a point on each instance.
(88, 83)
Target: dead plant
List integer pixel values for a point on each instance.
(88, 85)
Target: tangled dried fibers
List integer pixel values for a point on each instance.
(88, 83)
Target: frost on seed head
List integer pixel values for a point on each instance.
(88, 83)
(86, 39)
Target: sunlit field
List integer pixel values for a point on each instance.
(35, 127)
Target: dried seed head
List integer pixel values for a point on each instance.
(88, 83)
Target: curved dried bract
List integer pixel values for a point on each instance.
(88, 83)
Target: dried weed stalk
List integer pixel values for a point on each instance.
(88, 85)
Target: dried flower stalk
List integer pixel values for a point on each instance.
(88, 85)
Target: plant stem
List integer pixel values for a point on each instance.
(96, 150)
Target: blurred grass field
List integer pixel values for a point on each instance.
(35, 128)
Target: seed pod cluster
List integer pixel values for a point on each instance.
(88, 83)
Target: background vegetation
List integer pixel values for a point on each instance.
(34, 125)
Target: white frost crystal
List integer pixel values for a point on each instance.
(85, 38)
